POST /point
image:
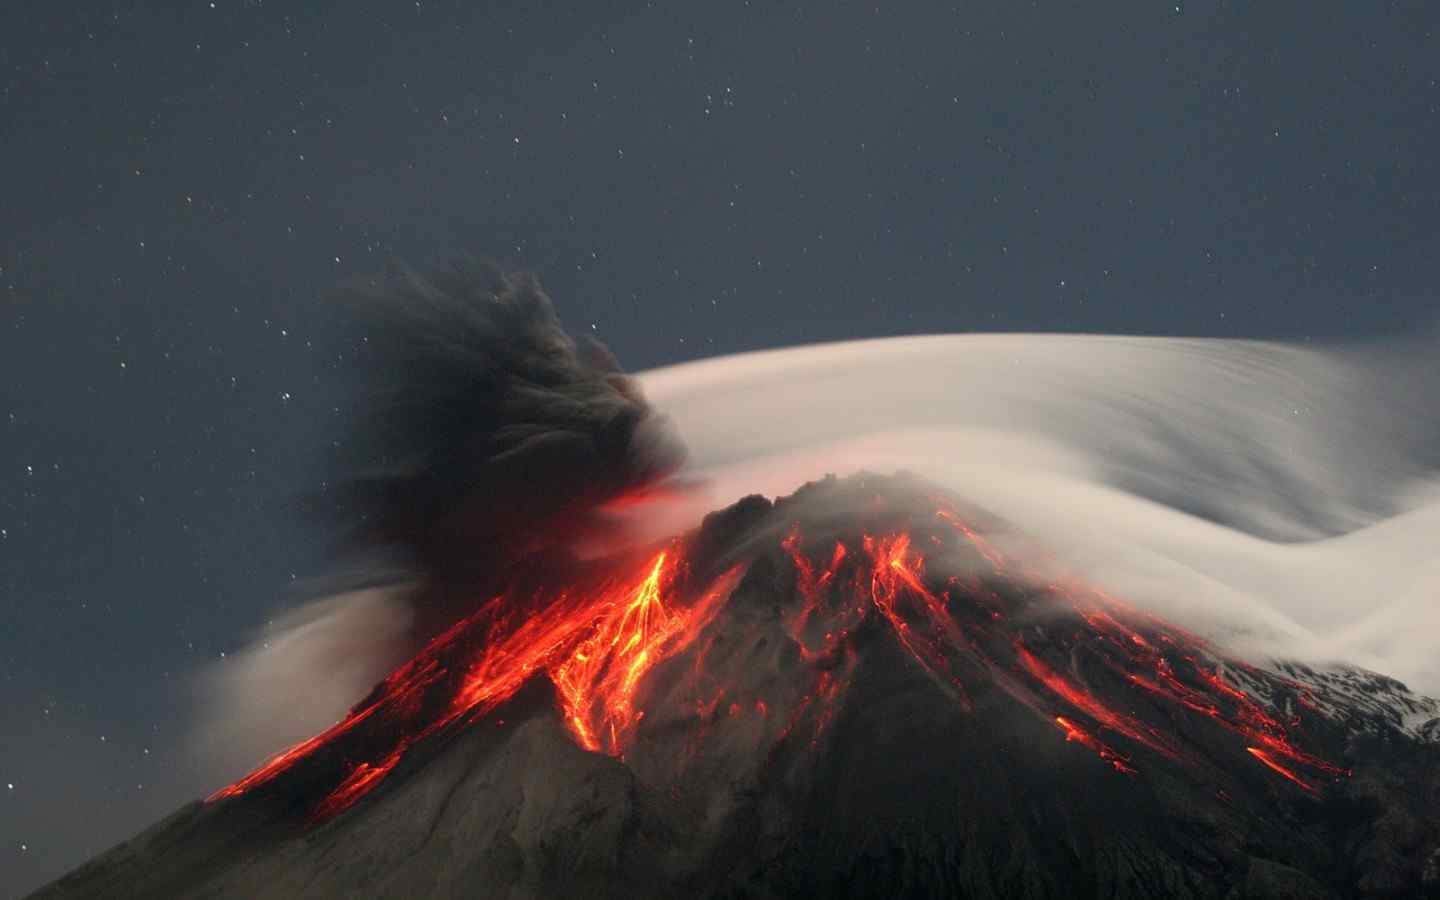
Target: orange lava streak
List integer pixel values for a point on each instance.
(897, 588)
(1226, 704)
(279, 763)
(357, 784)
(897, 572)
(1082, 700)
(596, 647)
(1231, 707)
(597, 682)
(992, 556)
(401, 688)
(1270, 762)
(1075, 733)
(821, 704)
(812, 587)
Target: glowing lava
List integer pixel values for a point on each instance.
(1075, 733)
(596, 646)
(599, 679)
(598, 639)
(1084, 701)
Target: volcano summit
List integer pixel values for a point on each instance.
(865, 689)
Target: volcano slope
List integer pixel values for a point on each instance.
(860, 690)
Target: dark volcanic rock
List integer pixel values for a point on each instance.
(1268, 880)
(850, 754)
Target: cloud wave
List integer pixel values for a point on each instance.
(1282, 498)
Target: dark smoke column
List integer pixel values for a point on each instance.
(495, 434)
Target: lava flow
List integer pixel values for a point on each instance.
(595, 644)
(964, 628)
(1112, 679)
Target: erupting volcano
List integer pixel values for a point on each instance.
(872, 687)
(866, 688)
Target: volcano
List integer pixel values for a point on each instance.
(866, 689)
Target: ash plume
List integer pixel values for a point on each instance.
(496, 433)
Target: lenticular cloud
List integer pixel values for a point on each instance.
(1280, 498)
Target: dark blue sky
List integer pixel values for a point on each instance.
(183, 183)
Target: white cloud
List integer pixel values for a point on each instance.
(1207, 480)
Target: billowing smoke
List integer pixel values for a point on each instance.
(490, 431)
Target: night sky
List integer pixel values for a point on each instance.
(185, 184)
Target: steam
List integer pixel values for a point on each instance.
(1280, 498)
(300, 674)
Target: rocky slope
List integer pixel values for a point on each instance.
(858, 691)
